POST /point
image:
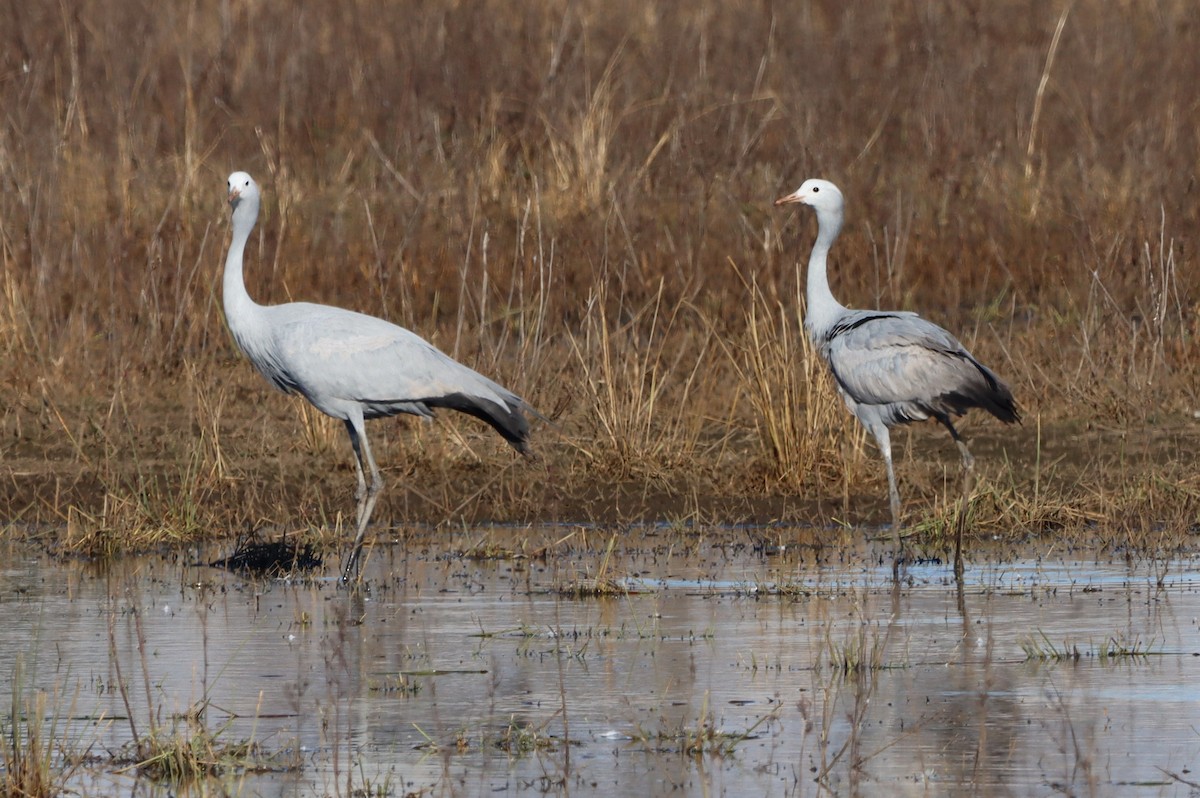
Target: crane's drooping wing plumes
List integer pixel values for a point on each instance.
(337, 357)
(913, 367)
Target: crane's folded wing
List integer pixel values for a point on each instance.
(893, 358)
(328, 352)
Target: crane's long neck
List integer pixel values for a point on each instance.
(240, 310)
(823, 309)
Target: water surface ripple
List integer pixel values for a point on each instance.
(713, 672)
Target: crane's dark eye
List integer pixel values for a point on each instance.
(816, 189)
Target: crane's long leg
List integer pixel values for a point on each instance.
(366, 494)
(360, 494)
(884, 439)
(968, 484)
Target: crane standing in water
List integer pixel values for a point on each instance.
(353, 367)
(893, 367)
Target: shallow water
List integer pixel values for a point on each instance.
(721, 672)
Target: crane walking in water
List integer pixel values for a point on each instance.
(893, 367)
(353, 367)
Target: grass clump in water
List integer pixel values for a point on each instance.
(519, 739)
(394, 684)
(1039, 648)
(190, 751)
(593, 588)
(37, 751)
(705, 737)
(600, 585)
(859, 653)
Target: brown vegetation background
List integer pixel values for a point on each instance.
(575, 198)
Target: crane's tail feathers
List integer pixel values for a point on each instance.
(988, 393)
(1000, 405)
(1004, 408)
(506, 420)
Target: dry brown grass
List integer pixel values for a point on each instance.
(555, 193)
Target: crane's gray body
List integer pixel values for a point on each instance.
(895, 368)
(352, 366)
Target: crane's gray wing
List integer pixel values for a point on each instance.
(340, 359)
(913, 365)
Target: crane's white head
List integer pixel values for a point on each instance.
(242, 187)
(820, 194)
